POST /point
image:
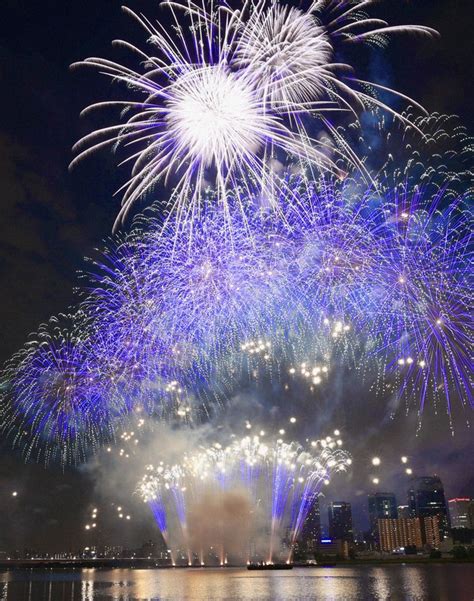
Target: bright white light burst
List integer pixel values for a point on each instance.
(287, 53)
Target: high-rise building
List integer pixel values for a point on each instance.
(340, 521)
(426, 498)
(461, 512)
(381, 505)
(399, 533)
(430, 528)
(311, 530)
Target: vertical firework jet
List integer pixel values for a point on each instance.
(270, 485)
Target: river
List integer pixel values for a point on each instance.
(436, 582)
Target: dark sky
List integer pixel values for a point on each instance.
(51, 218)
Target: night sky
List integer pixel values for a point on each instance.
(51, 218)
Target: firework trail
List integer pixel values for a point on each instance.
(58, 405)
(420, 307)
(281, 479)
(400, 161)
(228, 91)
(174, 321)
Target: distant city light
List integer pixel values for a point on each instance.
(376, 461)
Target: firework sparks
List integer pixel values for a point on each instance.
(175, 320)
(226, 95)
(282, 478)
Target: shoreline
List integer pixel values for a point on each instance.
(42, 564)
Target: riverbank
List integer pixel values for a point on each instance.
(145, 563)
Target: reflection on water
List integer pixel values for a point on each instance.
(358, 583)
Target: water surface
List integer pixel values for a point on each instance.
(352, 583)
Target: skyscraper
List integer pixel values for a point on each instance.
(461, 512)
(399, 533)
(311, 530)
(426, 498)
(381, 505)
(430, 527)
(340, 521)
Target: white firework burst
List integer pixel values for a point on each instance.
(287, 52)
(200, 120)
(226, 94)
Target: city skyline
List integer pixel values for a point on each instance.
(389, 530)
(138, 526)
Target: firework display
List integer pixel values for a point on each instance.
(262, 488)
(399, 162)
(175, 325)
(58, 395)
(297, 227)
(229, 91)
